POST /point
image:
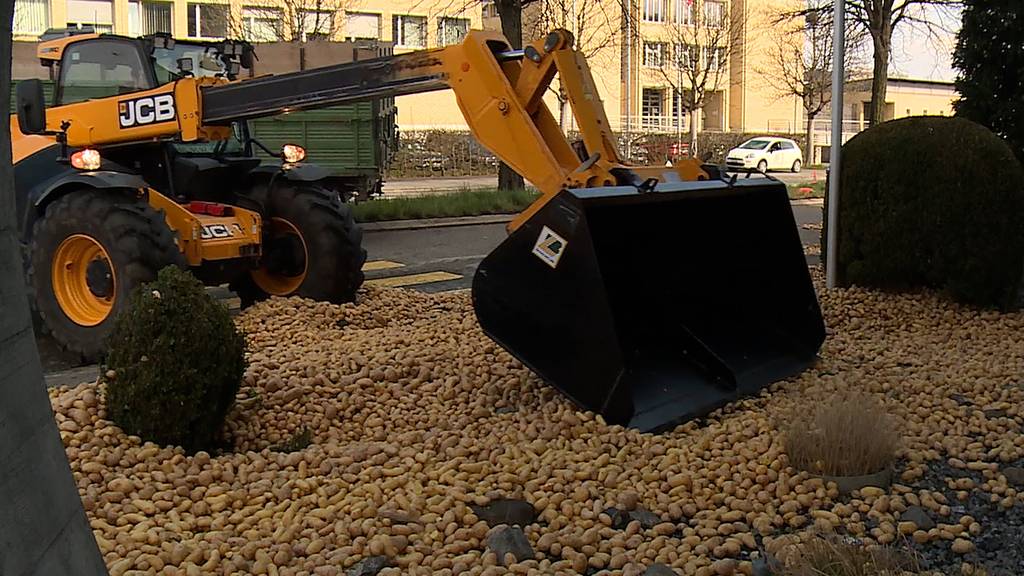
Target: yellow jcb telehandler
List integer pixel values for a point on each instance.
(648, 294)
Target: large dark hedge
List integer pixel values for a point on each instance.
(932, 202)
(177, 363)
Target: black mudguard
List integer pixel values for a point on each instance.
(40, 179)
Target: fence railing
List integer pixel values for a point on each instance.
(822, 128)
(656, 124)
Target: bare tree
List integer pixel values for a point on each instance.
(879, 18)
(799, 62)
(289, 20)
(691, 54)
(593, 23)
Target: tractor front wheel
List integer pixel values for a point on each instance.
(312, 248)
(89, 251)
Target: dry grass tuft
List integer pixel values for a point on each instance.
(849, 434)
(833, 556)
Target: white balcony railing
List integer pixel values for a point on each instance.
(822, 128)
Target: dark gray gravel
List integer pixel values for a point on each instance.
(999, 549)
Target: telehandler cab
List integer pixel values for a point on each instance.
(648, 294)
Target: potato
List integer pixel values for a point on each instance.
(378, 428)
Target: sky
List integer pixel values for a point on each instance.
(915, 55)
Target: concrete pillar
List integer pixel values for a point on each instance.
(121, 17)
(58, 13)
(180, 17)
(43, 528)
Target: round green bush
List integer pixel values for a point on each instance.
(177, 362)
(932, 202)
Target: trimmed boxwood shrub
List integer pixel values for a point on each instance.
(177, 362)
(932, 202)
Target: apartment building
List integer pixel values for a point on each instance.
(645, 54)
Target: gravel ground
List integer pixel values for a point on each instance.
(425, 439)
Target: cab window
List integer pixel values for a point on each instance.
(101, 68)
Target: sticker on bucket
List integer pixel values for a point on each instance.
(549, 247)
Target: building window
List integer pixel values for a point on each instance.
(362, 26)
(451, 30)
(261, 24)
(654, 54)
(654, 11)
(31, 17)
(489, 9)
(714, 57)
(684, 12)
(714, 13)
(317, 25)
(652, 101)
(410, 31)
(685, 56)
(99, 14)
(678, 111)
(149, 18)
(207, 20)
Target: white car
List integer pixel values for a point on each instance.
(764, 154)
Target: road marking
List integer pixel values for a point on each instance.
(412, 279)
(381, 265)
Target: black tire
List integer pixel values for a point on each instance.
(797, 165)
(762, 166)
(332, 241)
(134, 236)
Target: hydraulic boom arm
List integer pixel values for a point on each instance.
(499, 91)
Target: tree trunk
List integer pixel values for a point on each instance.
(511, 14)
(43, 528)
(809, 152)
(882, 41)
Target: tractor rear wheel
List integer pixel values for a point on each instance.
(312, 247)
(89, 251)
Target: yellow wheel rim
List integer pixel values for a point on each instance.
(85, 303)
(275, 283)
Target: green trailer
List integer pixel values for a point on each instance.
(354, 141)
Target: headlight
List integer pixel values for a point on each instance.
(749, 156)
(86, 159)
(292, 153)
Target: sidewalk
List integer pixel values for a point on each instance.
(426, 186)
(420, 224)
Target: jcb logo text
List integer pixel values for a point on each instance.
(219, 231)
(145, 110)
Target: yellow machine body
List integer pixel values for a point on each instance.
(648, 294)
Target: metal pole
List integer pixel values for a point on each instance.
(836, 149)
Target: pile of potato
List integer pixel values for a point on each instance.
(412, 415)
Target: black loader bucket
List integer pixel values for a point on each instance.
(653, 308)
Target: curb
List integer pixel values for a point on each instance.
(808, 202)
(72, 376)
(436, 223)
